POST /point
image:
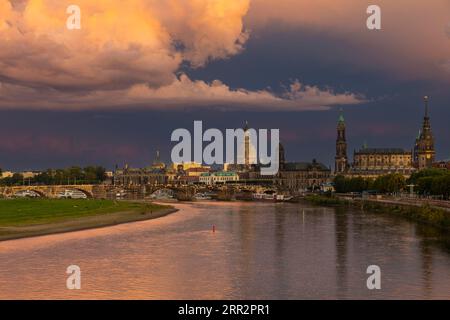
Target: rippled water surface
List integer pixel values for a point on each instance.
(259, 251)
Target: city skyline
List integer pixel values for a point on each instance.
(147, 156)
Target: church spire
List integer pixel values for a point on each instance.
(157, 163)
(424, 150)
(341, 115)
(246, 125)
(425, 99)
(341, 160)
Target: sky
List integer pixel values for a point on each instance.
(113, 91)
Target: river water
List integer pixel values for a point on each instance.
(258, 251)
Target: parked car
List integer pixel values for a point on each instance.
(71, 194)
(26, 194)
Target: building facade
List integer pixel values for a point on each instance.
(381, 161)
(221, 177)
(155, 174)
(373, 162)
(302, 176)
(146, 176)
(444, 164)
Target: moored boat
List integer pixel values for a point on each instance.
(271, 197)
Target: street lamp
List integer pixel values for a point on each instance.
(411, 189)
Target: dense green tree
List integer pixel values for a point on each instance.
(15, 180)
(390, 183)
(385, 184)
(433, 172)
(71, 175)
(340, 184)
(357, 184)
(432, 182)
(396, 182)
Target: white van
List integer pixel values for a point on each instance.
(71, 194)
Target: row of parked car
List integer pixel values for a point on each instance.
(66, 194)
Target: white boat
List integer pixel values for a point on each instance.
(162, 194)
(121, 194)
(202, 196)
(282, 197)
(271, 197)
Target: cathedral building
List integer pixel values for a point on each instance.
(380, 161)
(373, 162)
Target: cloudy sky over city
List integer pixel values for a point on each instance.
(112, 92)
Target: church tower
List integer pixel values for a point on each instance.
(281, 157)
(416, 149)
(341, 160)
(246, 146)
(157, 163)
(250, 147)
(425, 143)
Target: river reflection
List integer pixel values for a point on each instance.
(259, 251)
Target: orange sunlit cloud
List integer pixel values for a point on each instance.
(132, 54)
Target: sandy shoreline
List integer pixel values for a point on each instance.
(93, 222)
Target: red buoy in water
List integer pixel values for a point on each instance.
(214, 228)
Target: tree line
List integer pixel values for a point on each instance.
(390, 183)
(432, 182)
(71, 175)
(426, 182)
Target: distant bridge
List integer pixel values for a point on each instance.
(90, 190)
(113, 192)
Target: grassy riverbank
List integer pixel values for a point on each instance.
(31, 217)
(326, 201)
(423, 214)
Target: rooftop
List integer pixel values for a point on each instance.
(382, 151)
(200, 169)
(219, 174)
(303, 166)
